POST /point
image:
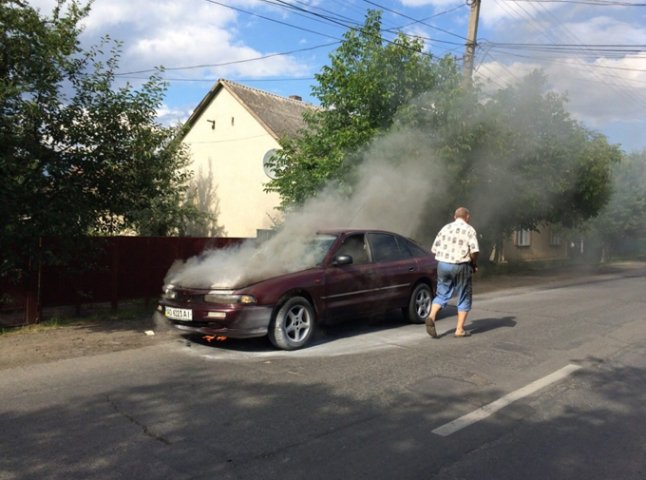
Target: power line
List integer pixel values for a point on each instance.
(342, 21)
(330, 17)
(271, 19)
(415, 21)
(603, 3)
(212, 80)
(354, 25)
(232, 62)
(554, 51)
(573, 47)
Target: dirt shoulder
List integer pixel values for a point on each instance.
(27, 346)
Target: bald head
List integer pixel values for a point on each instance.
(463, 213)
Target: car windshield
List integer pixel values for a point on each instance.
(318, 247)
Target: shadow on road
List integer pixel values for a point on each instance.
(483, 325)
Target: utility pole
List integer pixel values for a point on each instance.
(470, 52)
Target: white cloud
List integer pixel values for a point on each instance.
(146, 15)
(171, 116)
(496, 75)
(605, 30)
(604, 90)
(425, 3)
(599, 92)
(178, 34)
(604, 86)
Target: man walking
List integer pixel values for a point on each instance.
(456, 250)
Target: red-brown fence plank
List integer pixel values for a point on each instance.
(125, 268)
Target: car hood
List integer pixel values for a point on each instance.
(215, 275)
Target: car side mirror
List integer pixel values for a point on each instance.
(342, 260)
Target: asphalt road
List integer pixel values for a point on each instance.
(552, 384)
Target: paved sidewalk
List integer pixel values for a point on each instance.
(557, 276)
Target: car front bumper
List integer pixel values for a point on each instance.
(248, 323)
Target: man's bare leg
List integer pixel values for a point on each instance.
(430, 321)
(462, 318)
(435, 309)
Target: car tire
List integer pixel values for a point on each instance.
(293, 324)
(419, 305)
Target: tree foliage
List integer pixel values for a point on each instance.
(79, 156)
(360, 92)
(621, 224)
(517, 158)
(538, 165)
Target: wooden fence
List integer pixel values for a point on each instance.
(124, 268)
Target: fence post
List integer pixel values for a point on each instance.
(114, 274)
(31, 306)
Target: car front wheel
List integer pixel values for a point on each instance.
(293, 324)
(419, 305)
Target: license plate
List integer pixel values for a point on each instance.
(178, 313)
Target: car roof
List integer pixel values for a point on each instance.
(338, 231)
(349, 231)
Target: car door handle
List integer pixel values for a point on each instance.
(411, 269)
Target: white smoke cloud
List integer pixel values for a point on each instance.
(394, 182)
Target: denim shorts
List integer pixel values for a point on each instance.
(453, 279)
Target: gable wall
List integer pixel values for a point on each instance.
(234, 151)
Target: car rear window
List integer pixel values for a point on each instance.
(385, 248)
(414, 249)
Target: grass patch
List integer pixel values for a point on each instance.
(89, 315)
(492, 270)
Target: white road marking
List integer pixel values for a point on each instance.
(491, 408)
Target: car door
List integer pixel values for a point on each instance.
(394, 269)
(350, 289)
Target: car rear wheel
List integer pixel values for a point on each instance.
(419, 305)
(293, 324)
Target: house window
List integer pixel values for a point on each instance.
(269, 171)
(555, 239)
(523, 238)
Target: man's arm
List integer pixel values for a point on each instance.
(474, 261)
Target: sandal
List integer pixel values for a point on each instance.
(430, 327)
(463, 334)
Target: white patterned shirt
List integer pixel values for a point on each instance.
(455, 242)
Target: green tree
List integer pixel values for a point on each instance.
(517, 158)
(621, 224)
(368, 80)
(78, 155)
(537, 164)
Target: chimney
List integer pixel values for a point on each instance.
(296, 97)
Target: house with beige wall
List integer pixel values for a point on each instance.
(230, 135)
(545, 245)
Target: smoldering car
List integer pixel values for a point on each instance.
(353, 273)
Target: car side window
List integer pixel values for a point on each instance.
(386, 249)
(413, 249)
(355, 246)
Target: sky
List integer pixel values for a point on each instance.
(592, 51)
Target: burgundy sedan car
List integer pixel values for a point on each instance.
(351, 273)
